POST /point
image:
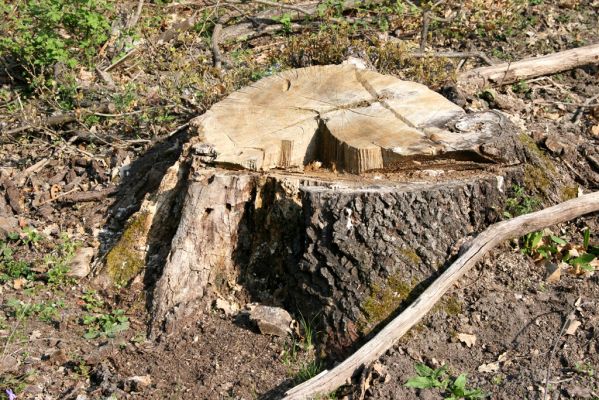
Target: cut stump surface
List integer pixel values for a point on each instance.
(356, 120)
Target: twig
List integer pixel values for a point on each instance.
(60, 119)
(281, 5)
(216, 56)
(532, 67)
(120, 60)
(587, 103)
(471, 253)
(569, 318)
(424, 33)
(133, 21)
(455, 54)
(58, 196)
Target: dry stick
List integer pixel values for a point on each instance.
(133, 21)
(60, 119)
(506, 73)
(216, 56)
(328, 381)
(281, 5)
(424, 32)
(569, 319)
(454, 54)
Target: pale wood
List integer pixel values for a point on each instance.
(507, 73)
(328, 381)
(354, 119)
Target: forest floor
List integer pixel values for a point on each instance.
(92, 114)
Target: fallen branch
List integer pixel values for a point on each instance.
(282, 5)
(472, 252)
(507, 73)
(61, 119)
(454, 54)
(135, 18)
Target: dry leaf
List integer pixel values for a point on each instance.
(468, 340)
(19, 283)
(573, 325)
(552, 272)
(489, 368)
(54, 191)
(595, 130)
(35, 335)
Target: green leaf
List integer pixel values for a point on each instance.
(460, 382)
(587, 267)
(558, 240)
(13, 236)
(423, 370)
(536, 239)
(586, 239)
(420, 382)
(583, 259)
(91, 334)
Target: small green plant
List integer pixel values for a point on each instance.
(553, 248)
(46, 312)
(428, 378)
(285, 21)
(453, 389)
(307, 341)
(42, 33)
(92, 302)
(290, 352)
(519, 203)
(10, 268)
(58, 262)
(585, 369)
(307, 371)
(107, 325)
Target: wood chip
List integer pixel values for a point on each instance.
(489, 368)
(573, 325)
(467, 339)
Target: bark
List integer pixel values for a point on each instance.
(471, 253)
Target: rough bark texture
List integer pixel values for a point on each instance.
(367, 250)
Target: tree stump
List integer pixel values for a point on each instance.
(335, 191)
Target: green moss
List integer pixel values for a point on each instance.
(569, 192)
(538, 177)
(411, 255)
(124, 261)
(451, 306)
(383, 301)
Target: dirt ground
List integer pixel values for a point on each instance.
(68, 189)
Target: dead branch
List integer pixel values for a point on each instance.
(282, 5)
(61, 119)
(507, 73)
(135, 18)
(455, 54)
(471, 253)
(216, 56)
